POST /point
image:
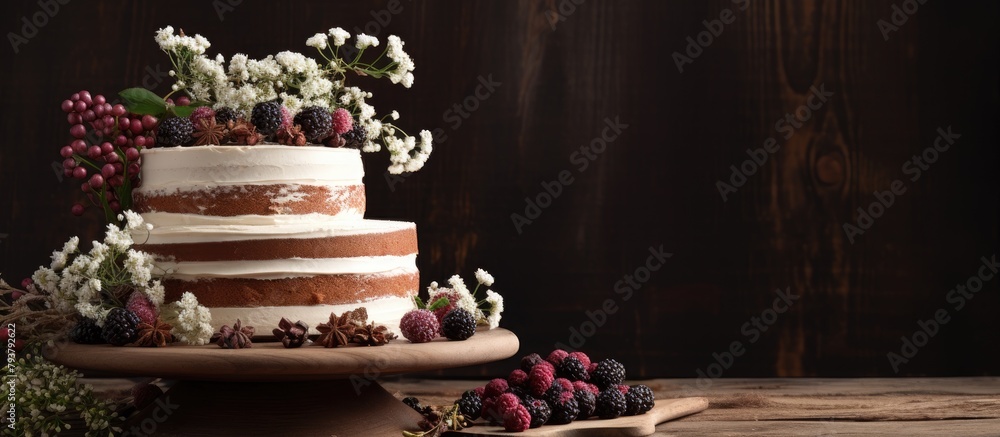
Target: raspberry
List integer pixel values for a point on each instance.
(342, 121)
(480, 391)
(120, 327)
(225, 115)
(517, 378)
(286, 118)
(471, 405)
(559, 386)
(174, 132)
(440, 312)
(517, 420)
(489, 411)
(556, 356)
(458, 324)
(529, 361)
(591, 368)
(201, 113)
(496, 387)
(548, 366)
(587, 401)
(139, 304)
(584, 359)
(267, 117)
(539, 410)
(85, 331)
(539, 380)
(419, 326)
(608, 373)
(581, 385)
(315, 122)
(507, 402)
(565, 411)
(610, 404)
(638, 400)
(571, 368)
(622, 388)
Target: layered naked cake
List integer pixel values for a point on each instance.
(270, 231)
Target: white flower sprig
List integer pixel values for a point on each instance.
(301, 82)
(192, 322)
(487, 310)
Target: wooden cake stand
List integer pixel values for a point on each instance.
(268, 390)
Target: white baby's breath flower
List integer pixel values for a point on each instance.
(365, 41)
(458, 284)
(495, 301)
(339, 36)
(394, 114)
(484, 277)
(318, 41)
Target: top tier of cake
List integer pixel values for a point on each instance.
(192, 185)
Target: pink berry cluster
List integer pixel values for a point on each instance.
(104, 151)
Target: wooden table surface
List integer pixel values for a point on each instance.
(805, 407)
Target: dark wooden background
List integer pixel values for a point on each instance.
(654, 185)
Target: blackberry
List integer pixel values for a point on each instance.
(458, 324)
(520, 392)
(565, 411)
(471, 407)
(638, 400)
(225, 115)
(608, 374)
(315, 122)
(120, 327)
(529, 361)
(414, 403)
(553, 394)
(174, 132)
(86, 331)
(610, 404)
(539, 410)
(572, 369)
(587, 403)
(266, 117)
(356, 138)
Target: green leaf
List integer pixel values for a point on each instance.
(182, 111)
(143, 101)
(440, 303)
(419, 302)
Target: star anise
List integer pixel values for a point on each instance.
(291, 334)
(156, 334)
(237, 337)
(340, 330)
(372, 335)
(243, 132)
(291, 136)
(208, 132)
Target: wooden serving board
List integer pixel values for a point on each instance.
(630, 426)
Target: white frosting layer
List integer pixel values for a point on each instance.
(254, 230)
(386, 311)
(172, 169)
(170, 219)
(290, 267)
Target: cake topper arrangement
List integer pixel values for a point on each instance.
(287, 98)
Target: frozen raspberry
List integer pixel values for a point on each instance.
(517, 420)
(517, 378)
(480, 391)
(623, 388)
(342, 121)
(556, 356)
(489, 411)
(139, 304)
(452, 297)
(547, 366)
(584, 359)
(286, 117)
(539, 380)
(585, 386)
(591, 368)
(495, 387)
(419, 326)
(201, 113)
(529, 361)
(507, 402)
